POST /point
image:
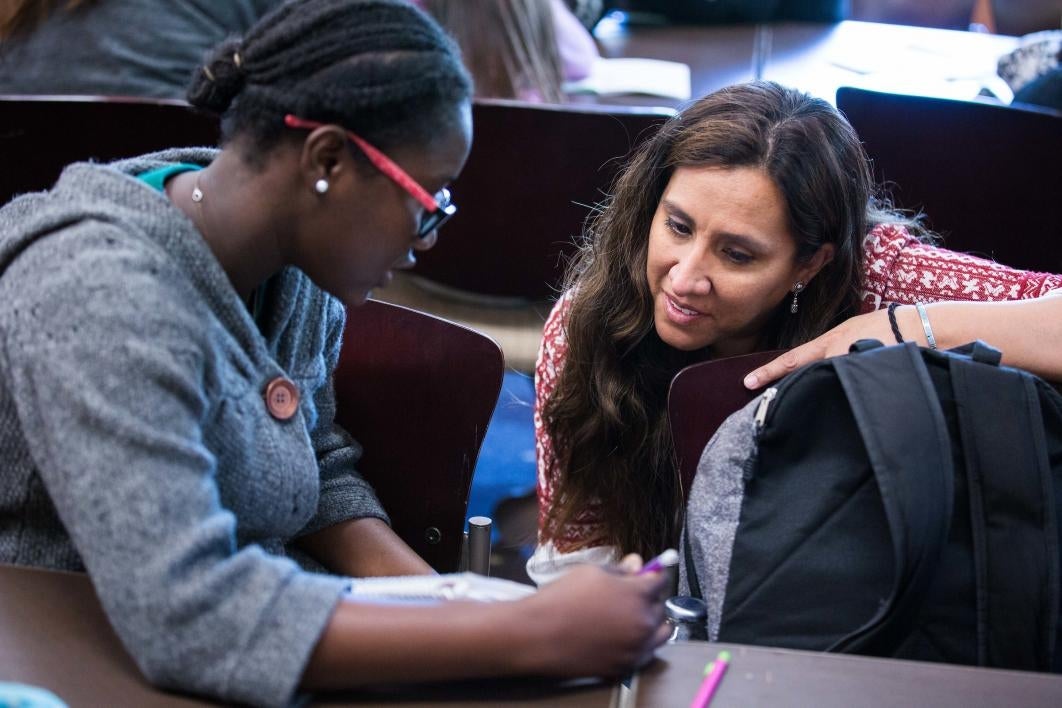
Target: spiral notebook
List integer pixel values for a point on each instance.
(436, 588)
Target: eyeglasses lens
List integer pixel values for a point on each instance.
(432, 220)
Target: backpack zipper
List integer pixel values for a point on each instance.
(761, 410)
(758, 421)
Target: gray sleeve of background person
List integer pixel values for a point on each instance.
(123, 47)
(345, 494)
(106, 368)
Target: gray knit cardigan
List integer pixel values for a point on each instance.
(135, 442)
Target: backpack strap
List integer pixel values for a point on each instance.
(691, 567)
(1012, 514)
(900, 420)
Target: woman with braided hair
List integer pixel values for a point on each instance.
(147, 307)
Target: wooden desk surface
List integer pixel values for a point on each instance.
(717, 56)
(53, 634)
(760, 676)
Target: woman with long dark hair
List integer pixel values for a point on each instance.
(748, 222)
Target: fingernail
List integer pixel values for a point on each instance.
(751, 381)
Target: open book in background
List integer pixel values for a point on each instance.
(434, 588)
(652, 77)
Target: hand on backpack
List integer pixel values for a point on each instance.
(835, 342)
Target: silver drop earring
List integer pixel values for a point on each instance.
(320, 186)
(793, 306)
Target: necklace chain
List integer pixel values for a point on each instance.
(197, 199)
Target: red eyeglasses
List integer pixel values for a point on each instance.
(438, 209)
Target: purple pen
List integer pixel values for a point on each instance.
(666, 559)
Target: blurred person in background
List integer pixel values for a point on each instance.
(114, 47)
(523, 49)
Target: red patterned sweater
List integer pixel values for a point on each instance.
(898, 268)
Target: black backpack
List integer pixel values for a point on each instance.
(896, 501)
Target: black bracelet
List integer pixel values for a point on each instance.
(892, 322)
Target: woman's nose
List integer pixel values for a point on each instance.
(689, 276)
(407, 261)
(423, 244)
(420, 244)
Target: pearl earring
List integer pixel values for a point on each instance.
(320, 186)
(796, 294)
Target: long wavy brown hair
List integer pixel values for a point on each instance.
(607, 414)
(509, 46)
(23, 15)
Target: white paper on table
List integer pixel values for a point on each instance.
(653, 77)
(434, 588)
(920, 61)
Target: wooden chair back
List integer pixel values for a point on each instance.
(700, 399)
(533, 174)
(40, 135)
(987, 176)
(417, 393)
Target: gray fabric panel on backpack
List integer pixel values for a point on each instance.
(713, 510)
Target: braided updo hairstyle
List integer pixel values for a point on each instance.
(381, 68)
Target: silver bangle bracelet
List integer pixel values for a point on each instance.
(926, 327)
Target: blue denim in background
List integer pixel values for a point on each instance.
(506, 467)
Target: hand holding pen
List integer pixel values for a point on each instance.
(667, 559)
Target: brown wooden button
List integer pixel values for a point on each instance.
(282, 398)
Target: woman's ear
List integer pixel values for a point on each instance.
(324, 152)
(816, 263)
